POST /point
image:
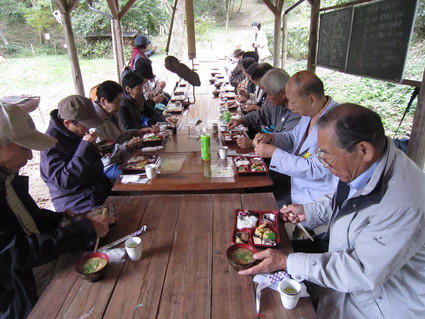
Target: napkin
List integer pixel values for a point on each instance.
(116, 255)
(125, 179)
(272, 281)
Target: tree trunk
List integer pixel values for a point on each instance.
(178, 46)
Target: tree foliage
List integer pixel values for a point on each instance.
(39, 16)
(146, 16)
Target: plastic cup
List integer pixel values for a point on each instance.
(289, 290)
(150, 171)
(222, 152)
(133, 248)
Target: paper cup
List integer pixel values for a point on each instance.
(289, 290)
(133, 248)
(150, 171)
(222, 152)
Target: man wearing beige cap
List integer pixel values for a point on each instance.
(72, 168)
(29, 236)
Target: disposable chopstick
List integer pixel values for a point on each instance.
(98, 238)
(301, 226)
(122, 239)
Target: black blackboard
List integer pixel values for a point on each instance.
(379, 37)
(334, 37)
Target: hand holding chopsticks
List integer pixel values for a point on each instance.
(98, 238)
(291, 214)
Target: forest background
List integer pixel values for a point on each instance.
(33, 57)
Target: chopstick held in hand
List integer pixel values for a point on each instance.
(300, 225)
(97, 240)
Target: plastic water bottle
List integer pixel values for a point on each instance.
(205, 146)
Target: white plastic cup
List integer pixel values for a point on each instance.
(289, 290)
(133, 248)
(222, 152)
(150, 171)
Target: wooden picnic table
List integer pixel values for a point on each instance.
(183, 272)
(193, 175)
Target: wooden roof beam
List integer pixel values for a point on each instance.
(270, 5)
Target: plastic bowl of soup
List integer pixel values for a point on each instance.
(240, 256)
(92, 267)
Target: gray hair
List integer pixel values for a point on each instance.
(352, 124)
(275, 80)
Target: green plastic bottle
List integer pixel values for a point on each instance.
(206, 146)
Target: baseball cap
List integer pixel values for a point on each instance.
(141, 40)
(79, 108)
(17, 125)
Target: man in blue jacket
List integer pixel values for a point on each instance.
(72, 168)
(29, 236)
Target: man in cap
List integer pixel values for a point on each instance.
(29, 236)
(72, 168)
(141, 50)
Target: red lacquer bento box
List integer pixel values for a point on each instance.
(249, 165)
(232, 135)
(138, 162)
(153, 139)
(257, 228)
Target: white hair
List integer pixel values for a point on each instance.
(275, 80)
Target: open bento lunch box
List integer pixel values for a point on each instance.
(138, 162)
(249, 165)
(232, 105)
(172, 108)
(257, 228)
(153, 139)
(232, 135)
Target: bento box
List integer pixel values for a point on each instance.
(232, 135)
(153, 139)
(249, 165)
(138, 162)
(232, 105)
(257, 228)
(174, 109)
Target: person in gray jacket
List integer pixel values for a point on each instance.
(375, 263)
(291, 152)
(107, 104)
(274, 116)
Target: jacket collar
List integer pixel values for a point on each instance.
(374, 190)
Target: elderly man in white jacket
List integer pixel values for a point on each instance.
(375, 263)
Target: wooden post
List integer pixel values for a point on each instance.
(284, 41)
(72, 53)
(276, 38)
(312, 41)
(190, 26)
(416, 149)
(118, 46)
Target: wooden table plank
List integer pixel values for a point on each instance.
(187, 285)
(140, 296)
(228, 287)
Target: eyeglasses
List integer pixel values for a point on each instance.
(321, 155)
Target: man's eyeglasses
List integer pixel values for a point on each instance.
(321, 155)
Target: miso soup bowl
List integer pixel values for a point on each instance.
(94, 276)
(234, 263)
